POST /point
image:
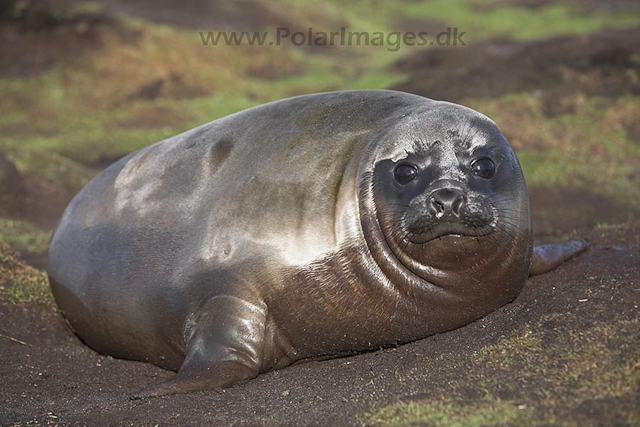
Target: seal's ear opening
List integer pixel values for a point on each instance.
(547, 257)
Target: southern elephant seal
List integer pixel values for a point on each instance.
(315, 226)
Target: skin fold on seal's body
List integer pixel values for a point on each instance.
(316, 226)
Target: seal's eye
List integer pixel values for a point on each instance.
(405, 173)
(484, 168)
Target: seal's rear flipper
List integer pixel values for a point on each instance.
(547, 257)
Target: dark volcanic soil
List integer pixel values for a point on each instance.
(54, 378)
(596, 64)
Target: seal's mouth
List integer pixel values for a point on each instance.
(448, 210)
(448, 229)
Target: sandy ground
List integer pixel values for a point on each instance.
(54, 378)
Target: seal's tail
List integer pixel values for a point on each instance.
(547, 257)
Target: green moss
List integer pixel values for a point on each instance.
(446, 414)
(20, 283)
(23, 236)
(552, 374)
(33, 161)
(585, 361)
(481, 20)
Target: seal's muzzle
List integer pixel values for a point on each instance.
(448, 208)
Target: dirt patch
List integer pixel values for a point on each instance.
(12, 189)
(32, 199)
(243, 15)
(492, 5)
(608, 5)
(561, 211)
(43, 203)
(151, 117)
(604, 64)
(54, 378)
(417, 25)
(578, 6)
(40, 202)
(238, 15)
(52, 35)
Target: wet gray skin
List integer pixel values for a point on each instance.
(315, 226)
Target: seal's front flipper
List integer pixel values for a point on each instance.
(547, 257)
(197, 377)
(224, 348)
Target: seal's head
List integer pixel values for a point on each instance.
(450, 200)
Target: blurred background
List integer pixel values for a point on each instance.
(83, 83)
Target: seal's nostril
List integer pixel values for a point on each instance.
(438, 207)
(457, 205)
(447, 201)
